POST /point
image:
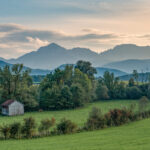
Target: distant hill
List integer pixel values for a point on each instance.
(130, 65)
(53, 55)
(143, 77)
(101, 71)
(33, 71)
(42, 72)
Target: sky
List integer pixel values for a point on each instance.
(26, 25)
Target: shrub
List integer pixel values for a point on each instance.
(29, 127)
(15, 130)
(66, 126)
(46, 124)
(96, 120)
(133, 92)
(118, 117)
(143, 103)
(5, 131)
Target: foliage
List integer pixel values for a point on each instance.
(29, 126)
(114, 117)
(65, 89)
(77, 95)
(143, 103)
(111, 85)
(96, 120)
(16, 84)
(133, 93)
(131, 82)
(46, 124)
(118, 117)
(135, 76)
(101, 92)
(15, 130)
(66, 126)
(86, 68)
(5, 131)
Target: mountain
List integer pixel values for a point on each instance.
(33, 71)
(142, 77)
(130, 65)
(3, 64)
(125, 52)
(53, 55)
(2, 59)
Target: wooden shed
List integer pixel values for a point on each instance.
(12, 108)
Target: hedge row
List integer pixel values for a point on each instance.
(95, 121)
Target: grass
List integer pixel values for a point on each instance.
(132, 136)
(79, 116)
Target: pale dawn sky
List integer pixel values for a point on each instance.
(25, 25)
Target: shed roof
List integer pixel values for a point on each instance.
(8, 102)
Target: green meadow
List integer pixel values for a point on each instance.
(78, 116)
(132, 136)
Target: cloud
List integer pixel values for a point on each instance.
(16, 40)
(37, 42)
(27, 35)
(10, 27)
(19, 39)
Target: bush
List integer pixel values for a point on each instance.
(15, 130)
(5, 131)
(46, 124)
(143, 103)
(66, 126)
(118, 117)
(96, 120)
(29, 127)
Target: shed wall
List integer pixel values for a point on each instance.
(16, 108)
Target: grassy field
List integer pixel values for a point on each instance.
(132, 136)
(79, 116)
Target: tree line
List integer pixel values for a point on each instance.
(69, 88)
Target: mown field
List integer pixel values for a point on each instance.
(79, 115)
(132, 136)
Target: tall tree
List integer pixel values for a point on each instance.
(86, 67)
(16, 84)
(63, 89)
(135, 75)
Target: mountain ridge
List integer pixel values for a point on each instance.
(53, 55)
(141, 65)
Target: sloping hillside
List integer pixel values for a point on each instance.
(133, 136)
(130, 65)
(33, 71)
(142, 77)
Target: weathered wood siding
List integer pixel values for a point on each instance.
(16, 108)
